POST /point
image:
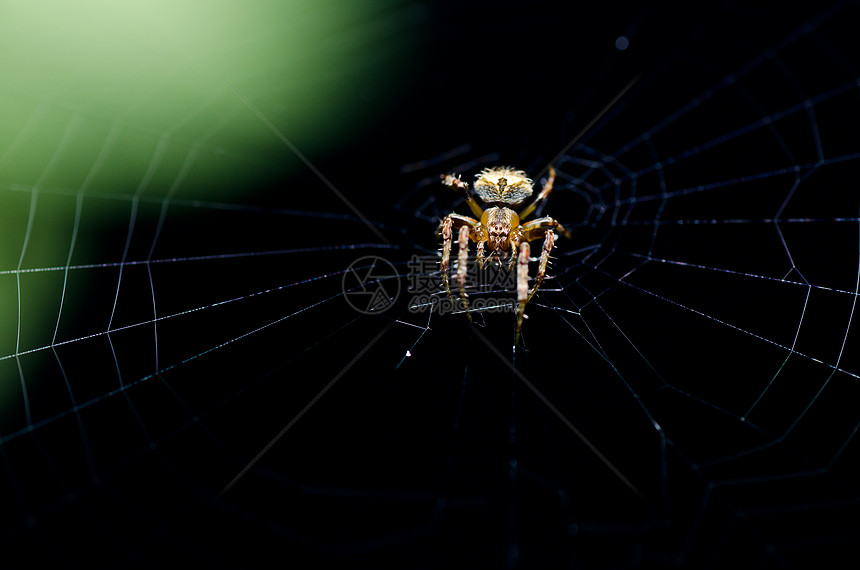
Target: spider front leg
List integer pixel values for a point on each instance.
(469, 229)
(517, 237)
(547, 188)
(454, 182)
(522, 286)
(447, 223)
(548, 244)
(462, 266)
(532, 230)
(480, 254)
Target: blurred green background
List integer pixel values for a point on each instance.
(105, 103)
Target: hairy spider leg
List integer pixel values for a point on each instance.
(522, 287)
(517, 237)
(542, 227)
(547, 188)
(533, 230)
(480, 253)
(446, 252)
(462, 261)
(455, 182)
(468, 229)
(536, 228)
(548, 244)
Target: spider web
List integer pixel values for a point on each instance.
(188, 379)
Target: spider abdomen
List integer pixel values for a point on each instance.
(504, 185)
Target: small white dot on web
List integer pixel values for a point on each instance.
(408, 354)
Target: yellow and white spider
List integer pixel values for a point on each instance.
(499, 228)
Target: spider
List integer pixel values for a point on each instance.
(499, 228)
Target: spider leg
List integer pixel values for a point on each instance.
(446, 252)
(535, 228)
(469, 229)
(513, 260)
(522, 286)
(547, 188)
(454, 182)
(516, 238)
(548, 243)
(479, 256)
(532, 230)
(462, 264)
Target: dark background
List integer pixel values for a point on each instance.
(450, 458)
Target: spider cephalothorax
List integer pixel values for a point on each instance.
(498, 228)
(500, 224)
